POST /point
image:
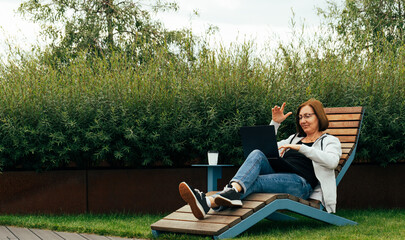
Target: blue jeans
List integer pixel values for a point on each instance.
(256, 175)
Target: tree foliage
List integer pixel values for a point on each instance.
(367, 24)
(97, 26)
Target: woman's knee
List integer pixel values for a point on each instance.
(258, 157)
(257, 154)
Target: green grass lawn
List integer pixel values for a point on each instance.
(372, 224)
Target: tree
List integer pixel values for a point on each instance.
(367, 24)
(96, 26)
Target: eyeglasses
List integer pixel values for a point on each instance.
(305, 116)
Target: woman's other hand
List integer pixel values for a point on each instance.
(288, 146)
(278, 113)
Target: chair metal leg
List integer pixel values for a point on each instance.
(316, 213)
(156, 233)
(277, 216)
(285, 204)
(249, 221)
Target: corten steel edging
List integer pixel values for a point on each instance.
(156, 190)
(372, 186)
(24, 192)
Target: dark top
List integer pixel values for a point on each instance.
(296, 162)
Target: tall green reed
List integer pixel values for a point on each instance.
(169, 110)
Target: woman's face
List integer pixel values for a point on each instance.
(308, 120)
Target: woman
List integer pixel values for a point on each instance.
(306, 169)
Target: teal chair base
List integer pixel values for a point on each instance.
(269, 212)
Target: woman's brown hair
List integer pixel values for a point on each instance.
(317, 106)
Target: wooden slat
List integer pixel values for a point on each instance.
(346, 150)
(315, 203)
(344, 117)
(239, 212)
(255, 205)
(343, 131)
(189, 227)
(347, 145)
(343, 110)
(344, 124)
(265, 197)
(303, 201)
(344, 157)
(347, 139)
(181, 216)
(294, 198)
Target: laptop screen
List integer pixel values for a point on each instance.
(262, 138)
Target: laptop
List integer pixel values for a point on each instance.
(261, 137)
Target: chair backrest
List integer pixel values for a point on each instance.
(345, 124)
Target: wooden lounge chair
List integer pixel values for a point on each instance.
(345, 123)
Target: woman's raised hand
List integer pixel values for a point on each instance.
(278, 113)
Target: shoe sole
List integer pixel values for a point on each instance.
(188, 196)
(221, 201)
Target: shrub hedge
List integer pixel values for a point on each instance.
(168, 111)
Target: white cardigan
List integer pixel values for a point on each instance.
(325, 154)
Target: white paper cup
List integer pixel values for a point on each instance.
(212, 158)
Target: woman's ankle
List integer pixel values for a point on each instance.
(237, 186)
(212, 202)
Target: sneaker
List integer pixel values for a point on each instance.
(229, 197)
(195, 199)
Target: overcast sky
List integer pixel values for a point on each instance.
(251, 18)
(236, 19)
